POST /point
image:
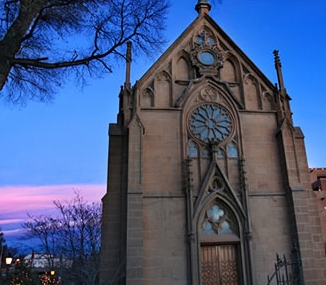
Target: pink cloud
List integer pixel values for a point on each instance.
(15, 198)
(17, 201)
(13, 232)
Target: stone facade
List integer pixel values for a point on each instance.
(207, 175)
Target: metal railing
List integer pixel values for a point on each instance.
(287, 272)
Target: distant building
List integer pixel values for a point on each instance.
(318, 179)
(207, 176)
(46, 262)
(42, 261)
(318, 184)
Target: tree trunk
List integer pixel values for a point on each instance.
(12, 41)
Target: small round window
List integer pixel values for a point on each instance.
(206, 58)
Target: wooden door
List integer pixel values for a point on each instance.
(219, 265)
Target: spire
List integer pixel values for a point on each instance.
(128, 63)
(203, 7)
(278, 68)
(284, 97)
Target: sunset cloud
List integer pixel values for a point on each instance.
(30, 196)
(17, 201)
(11, 221)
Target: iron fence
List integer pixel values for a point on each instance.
(287, 272)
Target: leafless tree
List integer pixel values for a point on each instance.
(72, 237)
(43, 42)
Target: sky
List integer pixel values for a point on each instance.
(48, 151)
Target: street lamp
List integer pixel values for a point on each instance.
(52, 273)
(8, 262)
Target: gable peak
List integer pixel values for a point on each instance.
(203, 7)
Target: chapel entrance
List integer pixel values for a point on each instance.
(219, 264)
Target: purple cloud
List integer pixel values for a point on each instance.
(17, 201)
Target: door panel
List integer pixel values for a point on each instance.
(219, 265)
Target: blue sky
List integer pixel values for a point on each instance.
(49, 149)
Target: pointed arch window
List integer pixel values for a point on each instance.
(220, 153)
(206, 153)
(192, 149)
(219, 220)
(232, 150)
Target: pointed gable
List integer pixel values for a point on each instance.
(168, 78)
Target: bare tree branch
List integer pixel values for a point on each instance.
(79, 35)
(74, 236)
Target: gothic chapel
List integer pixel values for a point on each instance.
(207, 175)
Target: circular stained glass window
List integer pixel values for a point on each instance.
(206, 58)
(210, 123)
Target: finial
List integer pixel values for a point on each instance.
(284, 98)
(203, 7)
(278, 68)
(277, 58)
(128, 63)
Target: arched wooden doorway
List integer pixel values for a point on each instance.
(219, 246)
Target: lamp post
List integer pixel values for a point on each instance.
(52, 274)
(8, 262)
